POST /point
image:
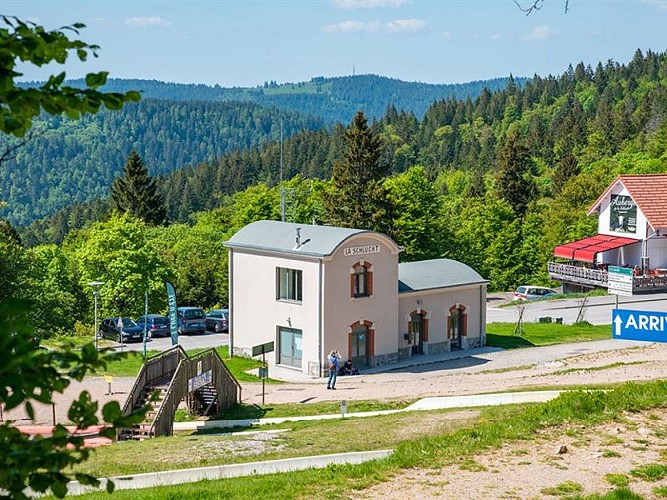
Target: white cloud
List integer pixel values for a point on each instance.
(397, 26)
(367, 4)
(147, 21)
(406, 26)
(541, 33)
(661, 4)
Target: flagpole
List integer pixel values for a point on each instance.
(145, 320)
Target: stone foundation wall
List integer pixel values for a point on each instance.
(404, 353)
(437, 348)
(383, 359)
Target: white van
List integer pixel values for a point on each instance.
(529, 292)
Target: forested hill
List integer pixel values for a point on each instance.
(72, 161)
(575, 122)
(515, 170)
(335, 100)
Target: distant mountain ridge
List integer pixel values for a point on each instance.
(334, 100)
(176, 125)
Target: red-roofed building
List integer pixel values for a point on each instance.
(632, 232)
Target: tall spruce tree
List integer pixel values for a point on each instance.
(135, 192)
(357, 198)
(514, 182)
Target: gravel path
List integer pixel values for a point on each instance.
(597, 362)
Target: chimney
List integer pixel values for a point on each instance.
(298, 237)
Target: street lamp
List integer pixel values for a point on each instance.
(95, 285)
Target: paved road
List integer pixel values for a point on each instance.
(597, 310)
(209, 339)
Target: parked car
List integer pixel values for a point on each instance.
(191, 320)
(218, 320)
(529, 292)
(111, 328)
(156, 325)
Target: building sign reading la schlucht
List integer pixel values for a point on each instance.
(361, 250)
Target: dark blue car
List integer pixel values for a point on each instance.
(121, 330)
(156, 325)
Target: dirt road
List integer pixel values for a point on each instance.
(501, 371)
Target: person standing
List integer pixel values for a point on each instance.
(333, 359)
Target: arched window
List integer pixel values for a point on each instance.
(361, 284)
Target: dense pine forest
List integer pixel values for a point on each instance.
(496, 182)
(334, 100)
(71, 161)
(178, 125)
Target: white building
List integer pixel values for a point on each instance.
(310, 289)
(632, 232)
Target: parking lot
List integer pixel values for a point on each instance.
(209, 339)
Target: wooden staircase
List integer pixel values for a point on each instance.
(166, 379)
(156, 392)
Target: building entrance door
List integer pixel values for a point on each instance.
(359, 345)
(290, 347)
(456, 325)
(417, 329)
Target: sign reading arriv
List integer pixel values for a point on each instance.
(639, 325)
(361, 250)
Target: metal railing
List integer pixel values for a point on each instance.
(589, 276)
(599, 277)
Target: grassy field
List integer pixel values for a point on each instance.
(539, 334)
(423, 446)
(301, 410)
(129, 363)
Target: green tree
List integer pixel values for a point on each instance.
(26, 42)
(135, 192)
(417, 225)
(28, 373)
(514, 181)
(357, 197)
(118, 253)
(58, 298)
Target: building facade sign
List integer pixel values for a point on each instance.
(366, 249)
(622, 214)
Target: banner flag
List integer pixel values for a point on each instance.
(173, 319)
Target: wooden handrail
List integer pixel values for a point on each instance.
(187, 369)
(142, 378)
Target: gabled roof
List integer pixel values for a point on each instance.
(649, 191)
(434, 274)
(315, 241)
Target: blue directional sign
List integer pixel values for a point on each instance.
(639, 325)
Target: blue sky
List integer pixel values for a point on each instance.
(244, 43)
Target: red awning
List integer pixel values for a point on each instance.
(585, 250)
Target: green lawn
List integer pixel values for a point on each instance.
(416, 446)
(243, 411)
(129, 363)
(537, 334)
